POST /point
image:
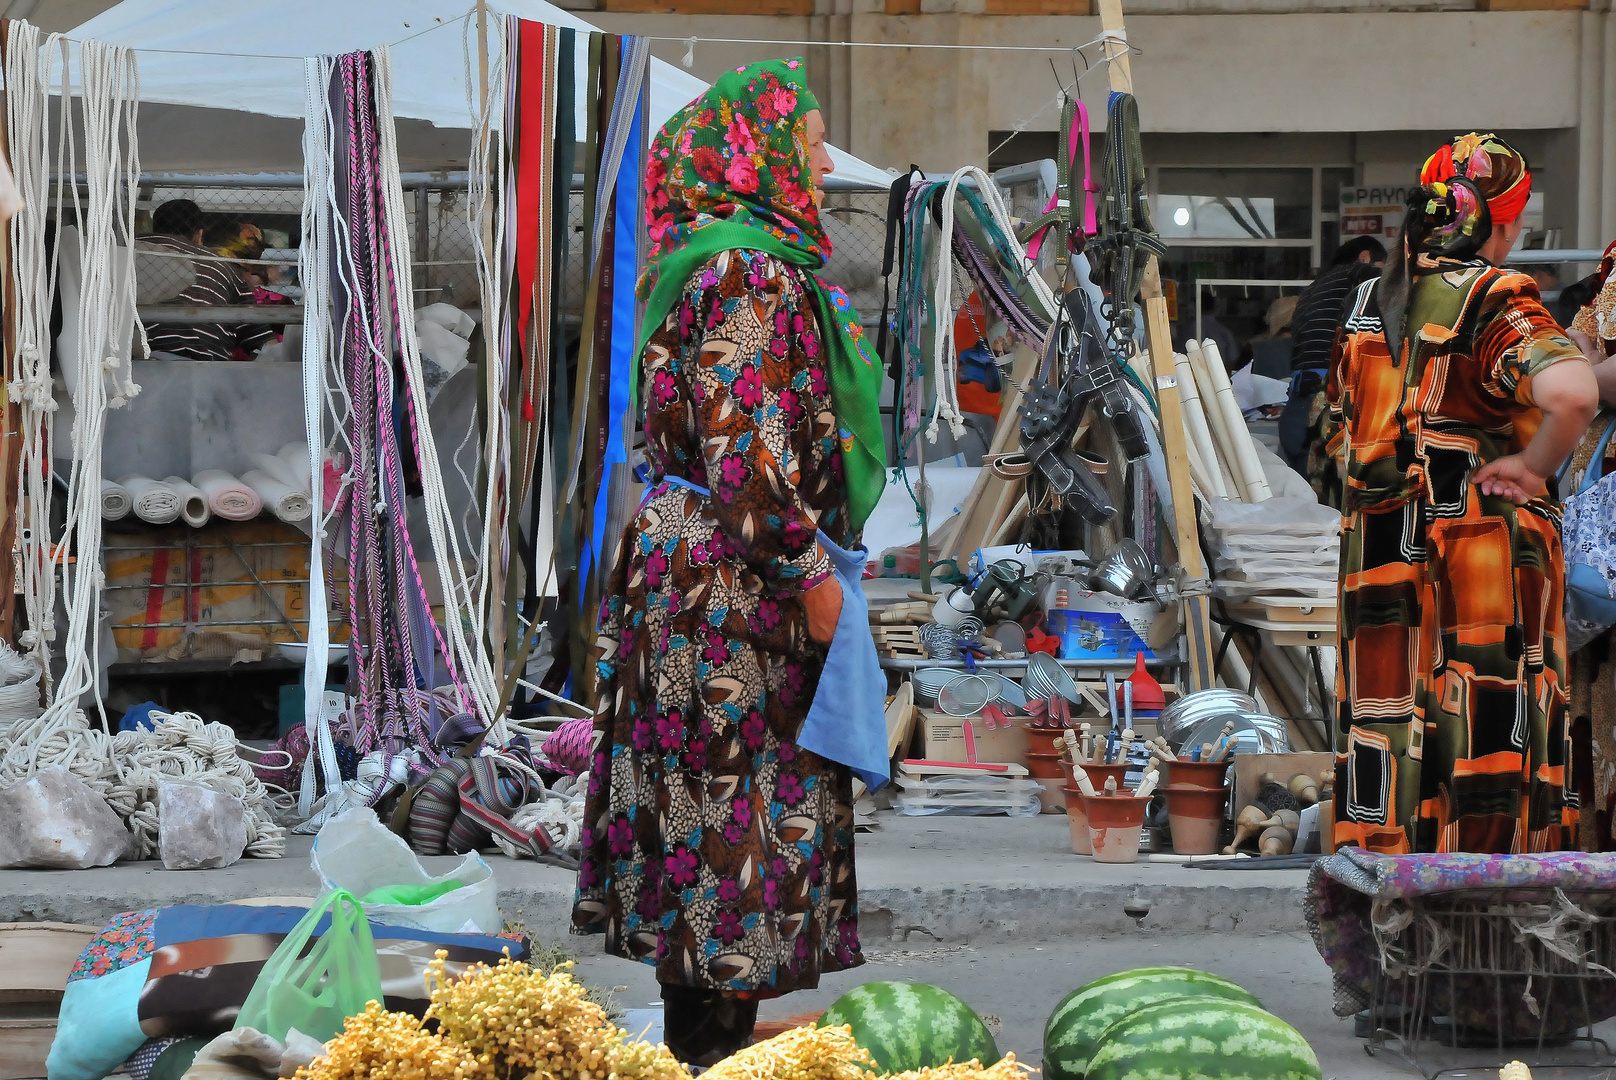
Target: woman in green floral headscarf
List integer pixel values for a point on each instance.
(715, 848)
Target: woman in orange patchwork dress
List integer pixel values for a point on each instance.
(1459, 396)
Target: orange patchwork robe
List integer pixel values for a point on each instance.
(1451, 729)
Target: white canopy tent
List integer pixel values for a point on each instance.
(221, 85)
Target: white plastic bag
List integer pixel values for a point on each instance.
(355, 851)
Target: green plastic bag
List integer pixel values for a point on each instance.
(411, 895)
(315, 987)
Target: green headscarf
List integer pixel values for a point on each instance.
(730, 170)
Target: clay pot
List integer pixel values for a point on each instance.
(1098, 775)
(1045, 766)
(1042, 740)
(1196, 816)
(1077, 817)
(1197, 774)
(1051, 800)
(1114, 825)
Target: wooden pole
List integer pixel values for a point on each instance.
(1159, 338)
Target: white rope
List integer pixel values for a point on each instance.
(109, 97)
(560, 809)
(34, 283)
(319, 202)
(945, 358)
(183, 746)
(472, 659)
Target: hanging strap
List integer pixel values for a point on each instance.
(1061, 209)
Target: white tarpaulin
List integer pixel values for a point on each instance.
(179, 44)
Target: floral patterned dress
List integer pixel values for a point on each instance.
(714, 848)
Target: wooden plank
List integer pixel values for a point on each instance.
(1159, 339)
(973, 523)
(36, 958)
(25, 1043)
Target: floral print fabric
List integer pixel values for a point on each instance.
(126, 940)
(714, 848)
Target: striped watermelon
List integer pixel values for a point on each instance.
(908, 1026)
(1202, 1038)
(1075, 1026)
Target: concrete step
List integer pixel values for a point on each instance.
(933, 879)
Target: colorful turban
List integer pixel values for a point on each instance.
(1472, 170)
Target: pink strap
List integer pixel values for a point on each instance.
(1079, 133)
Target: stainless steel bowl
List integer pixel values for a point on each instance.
(928, 681)
(1254, 733)
(1126, 572)
(1189, 710)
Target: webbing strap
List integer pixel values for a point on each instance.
(1061, 210)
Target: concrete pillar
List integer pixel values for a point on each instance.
(1590, 128)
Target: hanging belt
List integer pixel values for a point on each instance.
(1060, 213)
(1125, 227)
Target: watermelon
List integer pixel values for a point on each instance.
(1202, 1038)
(1077, 1022)
(908, 1026)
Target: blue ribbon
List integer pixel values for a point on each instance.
(625, 319)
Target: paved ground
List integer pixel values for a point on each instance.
(998, 911)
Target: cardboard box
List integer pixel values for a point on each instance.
(945, 739)
(1249, 770)
(1098, 626)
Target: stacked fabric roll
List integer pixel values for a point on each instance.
(115, 501)
(193, 504)
(282, 480)
(154, 500)
(228, 497)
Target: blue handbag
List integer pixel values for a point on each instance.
(1589, 539)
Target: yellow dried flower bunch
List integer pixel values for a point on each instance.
(1006, 1069)
(523, 1024)
(805, 1053)
(390, 1046)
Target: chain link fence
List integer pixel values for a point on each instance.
(246, 238)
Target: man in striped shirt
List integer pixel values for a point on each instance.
(177, 231)
(1319, 313)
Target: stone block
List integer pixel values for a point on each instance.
(57, 821)
(199, 828)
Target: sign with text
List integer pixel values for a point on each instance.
(1371, 211)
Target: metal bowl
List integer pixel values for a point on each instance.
(967, 694)
(1010, 693)
(1126, 572)
(1189, 710)
(1046, 678)
(929, 681)
(1254, 733)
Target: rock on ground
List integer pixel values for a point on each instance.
(199, 828)
(55, 820)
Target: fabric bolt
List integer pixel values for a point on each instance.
(1451, 732)
(714, 848)
(154, 501)
(228, 497)
(731, 170)
(193, 504)
(115, 501)
(284, 502)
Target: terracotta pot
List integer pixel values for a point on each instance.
(1044, 766)
(1042, 740)
(1196, 815)
(1077, 818)
(1051, 800)
(1098, 775)
(1196, 774)
(1114, 825)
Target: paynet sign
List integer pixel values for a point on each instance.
(1371, 211)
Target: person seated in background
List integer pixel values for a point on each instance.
(239, 240)
(177, 230)
(1319, 313)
